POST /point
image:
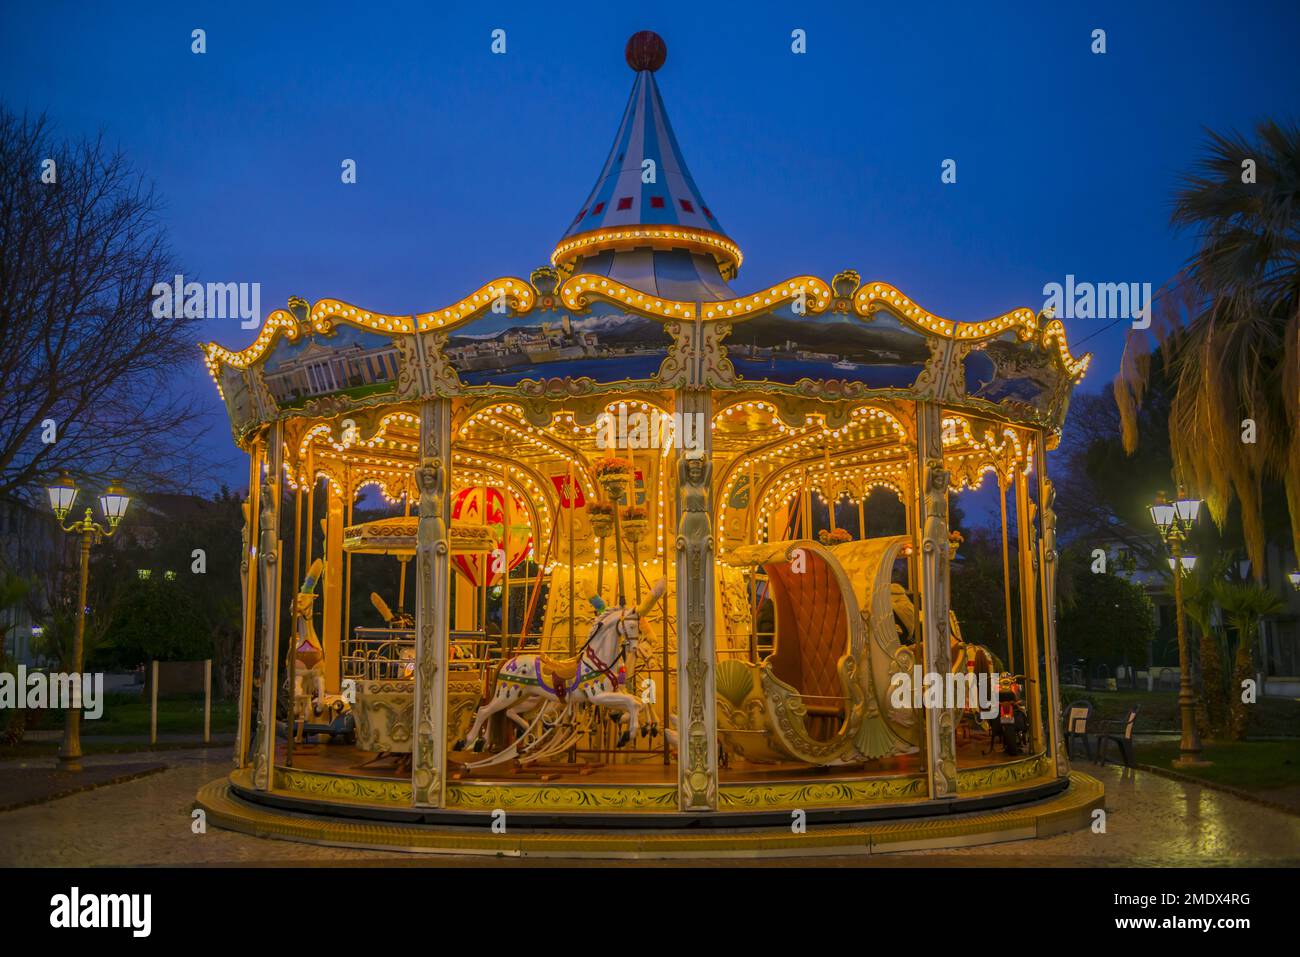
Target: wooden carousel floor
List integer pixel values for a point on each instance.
(642, 769)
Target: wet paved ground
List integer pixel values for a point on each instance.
(1150, 821)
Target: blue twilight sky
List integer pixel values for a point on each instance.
(470, 165)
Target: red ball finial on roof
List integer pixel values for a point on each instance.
(646, 51)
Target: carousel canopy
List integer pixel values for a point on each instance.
(636, 303)
(645, 200)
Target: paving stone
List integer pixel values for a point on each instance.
(1151, 820)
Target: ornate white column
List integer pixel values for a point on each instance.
(1048, 564)
(1027, 536)
(432, 577)
(248, 580)
(932, 506)
(269, 550)
(697, 752)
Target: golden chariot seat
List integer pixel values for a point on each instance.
(817, 698)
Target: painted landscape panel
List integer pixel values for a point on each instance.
(880, 353)
(502, 351)
(352, 362)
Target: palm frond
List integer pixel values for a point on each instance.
(1229, 333)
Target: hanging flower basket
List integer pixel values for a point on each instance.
(635, 522)
(613, 474)
(601, 516)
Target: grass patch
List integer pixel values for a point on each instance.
(1158, 710)
(128, 714)
(1255, 766)
(47, 749)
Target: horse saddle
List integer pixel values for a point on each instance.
(558, 672)
(308, 654)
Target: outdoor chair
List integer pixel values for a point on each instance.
(1076, 726)
(1122, 736)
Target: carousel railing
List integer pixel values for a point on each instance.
(387, 654)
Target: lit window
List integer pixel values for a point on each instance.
(144, 574)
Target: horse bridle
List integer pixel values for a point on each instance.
(621, 629)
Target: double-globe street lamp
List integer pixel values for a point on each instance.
(1175, 520)
(113, 503)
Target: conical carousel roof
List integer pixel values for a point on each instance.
(645, 221)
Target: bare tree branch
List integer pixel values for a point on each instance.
(79, 258)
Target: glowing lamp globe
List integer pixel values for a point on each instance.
(113, 503)
(1162, 513)
(1187, 509)
(62, 493)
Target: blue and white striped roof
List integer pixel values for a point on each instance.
(620, 198)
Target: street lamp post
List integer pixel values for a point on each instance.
(112, 503)
(1175, 520)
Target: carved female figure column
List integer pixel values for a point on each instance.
(248, 581)
(1048, 563)
(269, 547)
(432, 577)
(932, 481)
(1027, 534)
(697, 757)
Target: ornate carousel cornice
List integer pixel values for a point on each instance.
(518, 294)
(578, 293)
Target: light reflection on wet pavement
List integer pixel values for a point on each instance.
(1151, 821)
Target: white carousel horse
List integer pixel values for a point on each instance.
(592, 677)
(308, 675)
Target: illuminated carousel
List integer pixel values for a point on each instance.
(676, 557)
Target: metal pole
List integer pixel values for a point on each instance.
(347, 557)
(70, 753)
(535, 591)
(618, 554)
(573, 599)
(1190, 745)
(401, 582)
(153, 702)
(507, 510)
(487, 570)
(297, 535)
(636, 563)
(207, 701)
(807, 507)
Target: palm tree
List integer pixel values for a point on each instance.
(1200, 600)
(1228, 329)
(1244, 605)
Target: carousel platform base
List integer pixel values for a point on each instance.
(228, 806)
